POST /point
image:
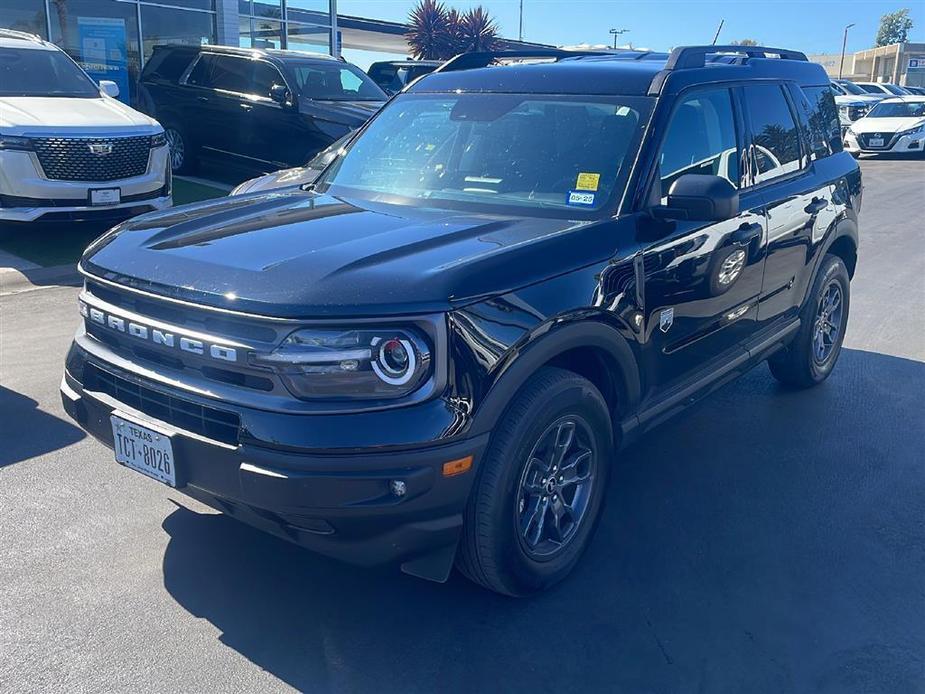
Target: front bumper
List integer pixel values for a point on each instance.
(892, 143)
(337, 504)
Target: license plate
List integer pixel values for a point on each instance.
(105, 196)
(144, 450)
(875, 142)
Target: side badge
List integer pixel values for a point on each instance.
(665, 319)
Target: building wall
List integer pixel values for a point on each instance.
(900, 63)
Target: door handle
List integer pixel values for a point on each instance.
(816, 205)
(747, 233)
(203, 99)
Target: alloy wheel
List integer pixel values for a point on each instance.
(177, 148)
(555, 487)
(828, 323)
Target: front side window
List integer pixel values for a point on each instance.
(201, 74)
(32, 72)
(775, 142)
(232, 74)
(265, 76)
(333, 81)
(546, 155)
(701, 139)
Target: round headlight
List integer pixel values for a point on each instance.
(395, 361)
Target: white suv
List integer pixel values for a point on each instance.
(68, 149)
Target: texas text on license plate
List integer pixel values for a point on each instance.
(143, 449)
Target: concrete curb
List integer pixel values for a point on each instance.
(15, 281)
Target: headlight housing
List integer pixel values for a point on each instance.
(158, 139)
(912, 131)
(351, 364)
(23, 144)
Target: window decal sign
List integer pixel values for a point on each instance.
(588, 181)
(103, 51)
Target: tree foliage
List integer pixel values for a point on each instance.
(894, 28)
(439, 33)
(745, 42)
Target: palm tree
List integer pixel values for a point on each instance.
(478, 31)
(432, 33)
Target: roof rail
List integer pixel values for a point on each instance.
(477, 59)
(14, 34)
(687, 57)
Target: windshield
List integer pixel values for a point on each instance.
(893, 89)
(898, 109)
(565, 156)
(333, 81)
(852, 88)
(35, 72)
(871, 89)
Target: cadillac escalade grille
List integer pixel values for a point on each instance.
(92, 159)
(214, 424)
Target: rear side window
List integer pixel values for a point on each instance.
(201, 74)
(168, 65)
(775, 144)
(701, 139)
(824, 130)
(232, 74)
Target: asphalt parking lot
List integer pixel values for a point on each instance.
(767, 541)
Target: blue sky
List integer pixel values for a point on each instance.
(814, 26)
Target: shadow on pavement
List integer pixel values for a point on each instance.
(767, 541)
(26, 431)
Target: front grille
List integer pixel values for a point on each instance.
(71, 158)
(214, 424)
(888, 140)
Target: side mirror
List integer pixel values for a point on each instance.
(702, 197)
(109, 88)
(280, 94)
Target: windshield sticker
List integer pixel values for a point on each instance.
(588, 181)
(577, 197)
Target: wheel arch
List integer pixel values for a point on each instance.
(593, 349)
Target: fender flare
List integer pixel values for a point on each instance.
(844, 228)
(544, 344)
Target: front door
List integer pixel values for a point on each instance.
(702, 279)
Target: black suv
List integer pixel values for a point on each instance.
(261, 108)
(433, 353)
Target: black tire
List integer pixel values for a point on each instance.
(799, 365)
(183, 153)
(493, 551)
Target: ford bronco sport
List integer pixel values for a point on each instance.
(432, 355)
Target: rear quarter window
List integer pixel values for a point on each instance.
(168, 65)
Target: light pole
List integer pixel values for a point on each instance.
(520, 32)
(844, 42)
(616, 33)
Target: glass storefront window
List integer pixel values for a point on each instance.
(23, 15)
(192, 4)
(244, 33)
(267, 33)
(162, 25)
(308, 37)
(102, 36)
(268, 8)
(308, 11)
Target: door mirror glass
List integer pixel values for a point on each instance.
(109, 88)
(279, 94)
(701, 197)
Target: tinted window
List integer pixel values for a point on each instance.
(201, 74)
(232, 74)
(898, 109)
(871, 89)
(265, 76)
(701, 139)
(31, 72)
(334, 81)
(822, 121)
(168, 65)
(775, 138)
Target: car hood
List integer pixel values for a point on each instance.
(299, 254)
(885, 125)
(350, 113)
(26, 115)
(854, 99)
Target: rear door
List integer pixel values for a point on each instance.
(702, 279)
(798, 199)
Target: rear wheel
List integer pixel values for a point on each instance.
(540, 486)
(811, 356)
(182, 154)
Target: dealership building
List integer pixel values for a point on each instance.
(898, 63)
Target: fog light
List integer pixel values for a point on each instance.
(398, 487)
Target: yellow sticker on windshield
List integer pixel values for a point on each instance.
(588, 181)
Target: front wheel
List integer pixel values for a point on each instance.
(540, 487)
(811, 356)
